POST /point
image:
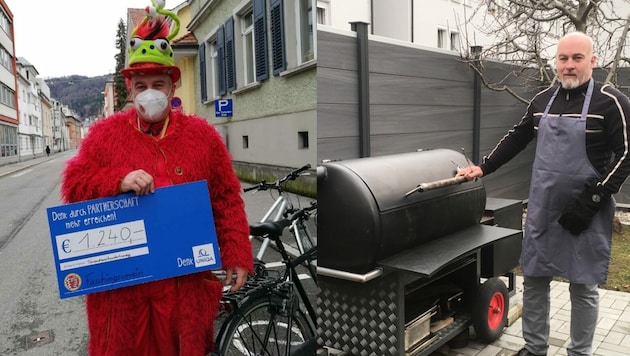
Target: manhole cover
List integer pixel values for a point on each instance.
(39, 339)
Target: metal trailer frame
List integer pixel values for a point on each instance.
(367, 314)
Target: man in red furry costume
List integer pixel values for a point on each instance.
(147, 147)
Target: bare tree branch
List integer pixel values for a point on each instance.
(525, 34)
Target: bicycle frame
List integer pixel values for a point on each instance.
(274, 213)
(295, 227)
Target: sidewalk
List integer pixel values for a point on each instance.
(12, 168)
(612, 335)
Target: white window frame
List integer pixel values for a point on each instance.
(293, 30)
(212, 77)
(441, 38)
(324, 6)
(305, 22)
(453, 38)
(246, 47)
(243, 80)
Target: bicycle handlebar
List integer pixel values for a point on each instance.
(293, 175)
(257, 186)
(264, 185)
(296, 214)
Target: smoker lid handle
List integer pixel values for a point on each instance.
(349, 276)
(423, 187)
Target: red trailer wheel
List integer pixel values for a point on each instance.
(489, 314)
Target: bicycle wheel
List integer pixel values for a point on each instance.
(261, 327)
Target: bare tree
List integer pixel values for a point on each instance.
(526, 32)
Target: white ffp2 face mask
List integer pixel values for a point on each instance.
(151, 104)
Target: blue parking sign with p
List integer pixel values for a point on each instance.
(223, 107)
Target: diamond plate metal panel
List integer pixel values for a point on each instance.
(362, 318)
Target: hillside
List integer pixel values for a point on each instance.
(82, 94)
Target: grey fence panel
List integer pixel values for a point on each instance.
(336, 51)
(406, 61)
(337, 120)
(337, 149)
(390, 89)
(336, 86)
(391, 119)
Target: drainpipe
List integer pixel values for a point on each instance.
(364, 87)
(476, 155)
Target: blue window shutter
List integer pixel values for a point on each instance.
(277, 37)
(230, 65)
(260, 40)
(221, 61)
(202, 71)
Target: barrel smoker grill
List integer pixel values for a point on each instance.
(404, 272)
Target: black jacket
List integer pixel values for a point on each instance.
(607, 131)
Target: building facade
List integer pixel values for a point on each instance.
(46, 111)
(8, 89)
(30, 129)
(256, 79)
(61, 141)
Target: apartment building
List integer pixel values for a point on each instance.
(61, 138)
(8, 89)
(46, 112)
(30, 131)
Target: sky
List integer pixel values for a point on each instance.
(67, 37)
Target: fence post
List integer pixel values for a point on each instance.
(476, 155)
(364, 87)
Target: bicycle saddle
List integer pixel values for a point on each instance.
(270, 229)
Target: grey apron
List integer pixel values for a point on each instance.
(561, 167)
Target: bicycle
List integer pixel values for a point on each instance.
(281, 208)
(266, 316)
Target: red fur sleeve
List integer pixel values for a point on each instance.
(229, 209)
(90, 175)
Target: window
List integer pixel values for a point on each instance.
(4, 23)
(213, 68)
(5, 58)
(441, 38)
(322, 13)
(245, 141)
(7, 96)
(454, 41)
(305, 26)
(246, 21)
(250, 44)
(302, 139)
(293, 37)
(213, 62)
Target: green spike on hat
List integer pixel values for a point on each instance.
(150, 51)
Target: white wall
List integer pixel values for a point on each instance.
(343, 12)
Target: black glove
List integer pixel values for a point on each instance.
(578, 213)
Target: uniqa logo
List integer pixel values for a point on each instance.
(204, 255)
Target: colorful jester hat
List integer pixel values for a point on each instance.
(150, 51)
